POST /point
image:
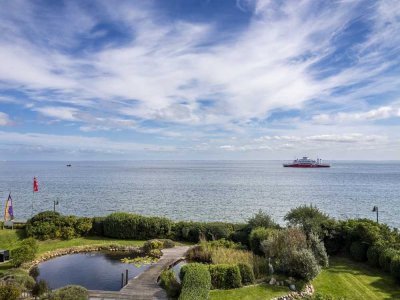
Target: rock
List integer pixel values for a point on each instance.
(272, 281)
(292, 287)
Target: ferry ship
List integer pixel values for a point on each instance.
(305, 162)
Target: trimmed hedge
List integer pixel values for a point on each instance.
(196, 231)
(224, 276)
(196, 282)
(247, 274)
(132, 226)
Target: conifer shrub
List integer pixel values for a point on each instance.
(196, 282)
(246, 273)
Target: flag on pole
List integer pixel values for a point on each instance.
(8, 212)
(35, 185)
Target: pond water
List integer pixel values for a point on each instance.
(94, 270)
(177, 269)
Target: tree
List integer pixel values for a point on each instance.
(309, 218)
(261, 219)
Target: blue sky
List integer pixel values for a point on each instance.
(212, 79)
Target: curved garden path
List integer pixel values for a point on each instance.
(145, 286)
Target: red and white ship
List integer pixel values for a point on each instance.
(305, 162)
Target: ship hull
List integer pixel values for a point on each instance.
(306, 166)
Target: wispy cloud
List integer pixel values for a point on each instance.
(5, 119)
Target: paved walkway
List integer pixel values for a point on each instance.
(145, 286)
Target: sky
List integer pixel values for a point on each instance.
(204, 79)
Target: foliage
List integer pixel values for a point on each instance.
(304, 265)
(170, 284)
(395, 268)
(196, 282)
(132, 226)
(247, 273)
(26, 252)
(97, 226)
(309, 218)
(20, 277)
(318, 249)
(199, 253)
(373, 253)
(9, 292)
(139, 260)
(52, 225)
(196, 231)
(261, 219)
(358, 251)
(151, 245)
(385, 258)
(40, 288)
(258, 235)
(72, 292)
(225, 276)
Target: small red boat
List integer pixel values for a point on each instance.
(305, 162)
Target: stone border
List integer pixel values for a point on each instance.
(307, 291)
(80, 249)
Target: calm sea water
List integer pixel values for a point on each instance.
(203, 190)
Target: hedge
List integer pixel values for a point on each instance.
(358, 251)
(196, 231)
(224, 276)
(196, 282)
(385, 258)
(132, 226)
(246, 273)
(395, 268)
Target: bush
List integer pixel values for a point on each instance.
(258, 235)
(196, 282)
(132, 226)
(358, 251)
(19, 277)
(309, 218)
(83, 226)
(170, 284)
(395, 268)
(304, 265)
(72, 292)
(97, 226)
(225, 276)
(385, 258)
(152, 245)
(199, 253)
(25, 253)
(40, 288)
(167, 243)
(218, 230)
(9, 292)
(261, 219)
(246, 273)
(318, 249)
(373, 255)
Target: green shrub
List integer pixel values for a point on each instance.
(20, 277)
(72, 292)
(97, 226)
(199, 253)
(167, 243)
(10, 292)
(151, 245)
(170, 284)
(196, 282)
(225, 276)
(395, 268)
(40, 288)
(25, 253)
(385, 258)
(132, 226)
(318, 249)
(189, 231)
(304, 265)
(246, 273)
(261, 219)
(258, 235)
(358, 251)
(217, 230)
(373, 253)
(83, 226)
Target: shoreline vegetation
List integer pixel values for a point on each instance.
(258, 259)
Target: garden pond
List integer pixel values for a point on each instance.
(93, 270)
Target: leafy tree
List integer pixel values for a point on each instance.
(261, 219)
(309, 218)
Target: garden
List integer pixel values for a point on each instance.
(312, 257)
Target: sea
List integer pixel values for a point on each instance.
(202, 190)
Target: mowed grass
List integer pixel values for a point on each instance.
(346, 278)
(254, 292)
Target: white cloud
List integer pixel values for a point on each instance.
(59, 113)
(5, 119)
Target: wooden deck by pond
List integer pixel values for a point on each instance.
(145, 285)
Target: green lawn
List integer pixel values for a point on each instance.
(260, 291)
(345, 278)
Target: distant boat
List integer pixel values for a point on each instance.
(305, 162)
(69, 165)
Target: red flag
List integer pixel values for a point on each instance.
(35, 185)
